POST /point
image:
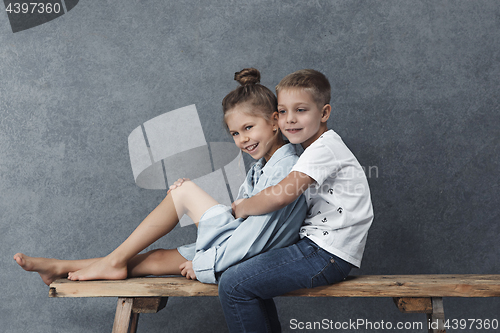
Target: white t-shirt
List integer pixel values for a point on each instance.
(339, 206)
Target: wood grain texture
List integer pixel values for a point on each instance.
(148, 304)
(439, 285)
(414, 304)
(123, 315)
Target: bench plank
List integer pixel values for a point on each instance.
(425, 285)
(133, 287)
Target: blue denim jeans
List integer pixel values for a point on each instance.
(246, 289)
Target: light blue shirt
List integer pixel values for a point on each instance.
(223, 241)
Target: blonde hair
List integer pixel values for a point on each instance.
(310, 80)
(262, 99)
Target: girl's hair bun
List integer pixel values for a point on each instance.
(247, 76)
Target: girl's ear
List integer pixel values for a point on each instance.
(325, 113)
(274, 120)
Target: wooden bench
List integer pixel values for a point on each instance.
(411, 293)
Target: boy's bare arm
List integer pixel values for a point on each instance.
(275, 197)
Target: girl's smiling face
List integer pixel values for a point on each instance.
(253, 134)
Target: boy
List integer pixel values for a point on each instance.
(333, 235)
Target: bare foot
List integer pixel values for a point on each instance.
(47, 268)
(102, 269)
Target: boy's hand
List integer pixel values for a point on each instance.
(187, 270)
(237, 209)
(177, 184)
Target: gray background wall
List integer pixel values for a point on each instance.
(415, 94)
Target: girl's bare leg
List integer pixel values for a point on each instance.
(156, 262)
(51, 269)
(188, 199)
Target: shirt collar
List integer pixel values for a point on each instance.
(282, 152)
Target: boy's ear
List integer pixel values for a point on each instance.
(325, 113)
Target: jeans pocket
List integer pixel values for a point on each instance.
(330, 274)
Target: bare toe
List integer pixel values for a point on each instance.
(45, 267)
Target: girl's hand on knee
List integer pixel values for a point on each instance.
(177, 184)
(187, 270)
(236, 211)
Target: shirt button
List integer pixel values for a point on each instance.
(332, 260)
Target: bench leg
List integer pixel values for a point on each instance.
(433, 306)
(134, 322)
(123, 316)
(435, 320)
(129, 308)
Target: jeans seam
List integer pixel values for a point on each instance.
(320, 272)
(341, 269)
(238, 317)
(313, 253)
(268, 323)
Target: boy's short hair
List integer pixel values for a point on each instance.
(308, 79)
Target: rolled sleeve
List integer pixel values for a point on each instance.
(204, 265)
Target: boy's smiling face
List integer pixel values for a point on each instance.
(300, 118)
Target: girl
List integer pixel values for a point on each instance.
(251, 118)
